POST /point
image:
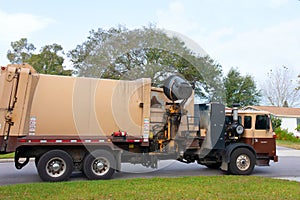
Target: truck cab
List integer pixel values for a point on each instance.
(231, 139)
(258, 133)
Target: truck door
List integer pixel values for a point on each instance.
(263, 140)
(16, 91)
(8, 84)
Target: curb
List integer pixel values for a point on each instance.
(293, 178)
(288, 153)
(6, 160)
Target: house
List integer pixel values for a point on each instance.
(290, 116)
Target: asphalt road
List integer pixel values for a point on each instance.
(288, 167)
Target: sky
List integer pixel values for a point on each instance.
(253, 35)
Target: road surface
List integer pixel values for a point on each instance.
(288, 167)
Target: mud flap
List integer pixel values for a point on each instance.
(18, 164)
(118, 160)
(224, 166)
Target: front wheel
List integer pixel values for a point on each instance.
(242, 162)
(100, 164)
(55, 165)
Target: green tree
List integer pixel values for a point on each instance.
(49, 61)
(21, 51)
(240, 89)
(120, 53)
(276, 122)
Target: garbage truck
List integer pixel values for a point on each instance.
(93, 125)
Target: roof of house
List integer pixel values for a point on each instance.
(278, 111)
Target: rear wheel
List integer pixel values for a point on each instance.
(242, 162)
(55, 165)
(99, 164)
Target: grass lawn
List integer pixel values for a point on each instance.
(9, 155)
(289, 144)
(204, 187)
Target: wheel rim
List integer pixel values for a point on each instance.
(56, 167)
(243, 162)
(100, 166)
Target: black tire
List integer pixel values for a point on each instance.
(98, 165)
(55, 165)
(214, 165)
(242, 162)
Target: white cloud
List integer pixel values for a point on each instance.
(277, 3)
(175, 18)
(257, 51)
(176, 7)
(176, 22)
(254, 51)
(17, 25)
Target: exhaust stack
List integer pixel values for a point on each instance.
(235, 108)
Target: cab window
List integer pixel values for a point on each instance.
(229, 119)
(261, 122)
(247, 122)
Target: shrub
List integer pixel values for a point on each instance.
(283, 134)
(298, 128)
(276, 122)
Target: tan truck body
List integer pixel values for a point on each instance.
(67, 106)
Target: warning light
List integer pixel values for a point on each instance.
(3, 68)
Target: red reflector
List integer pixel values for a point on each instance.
(119, 134)
(133, 141)
(274, 136)
(3, 68)
(23, 140)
